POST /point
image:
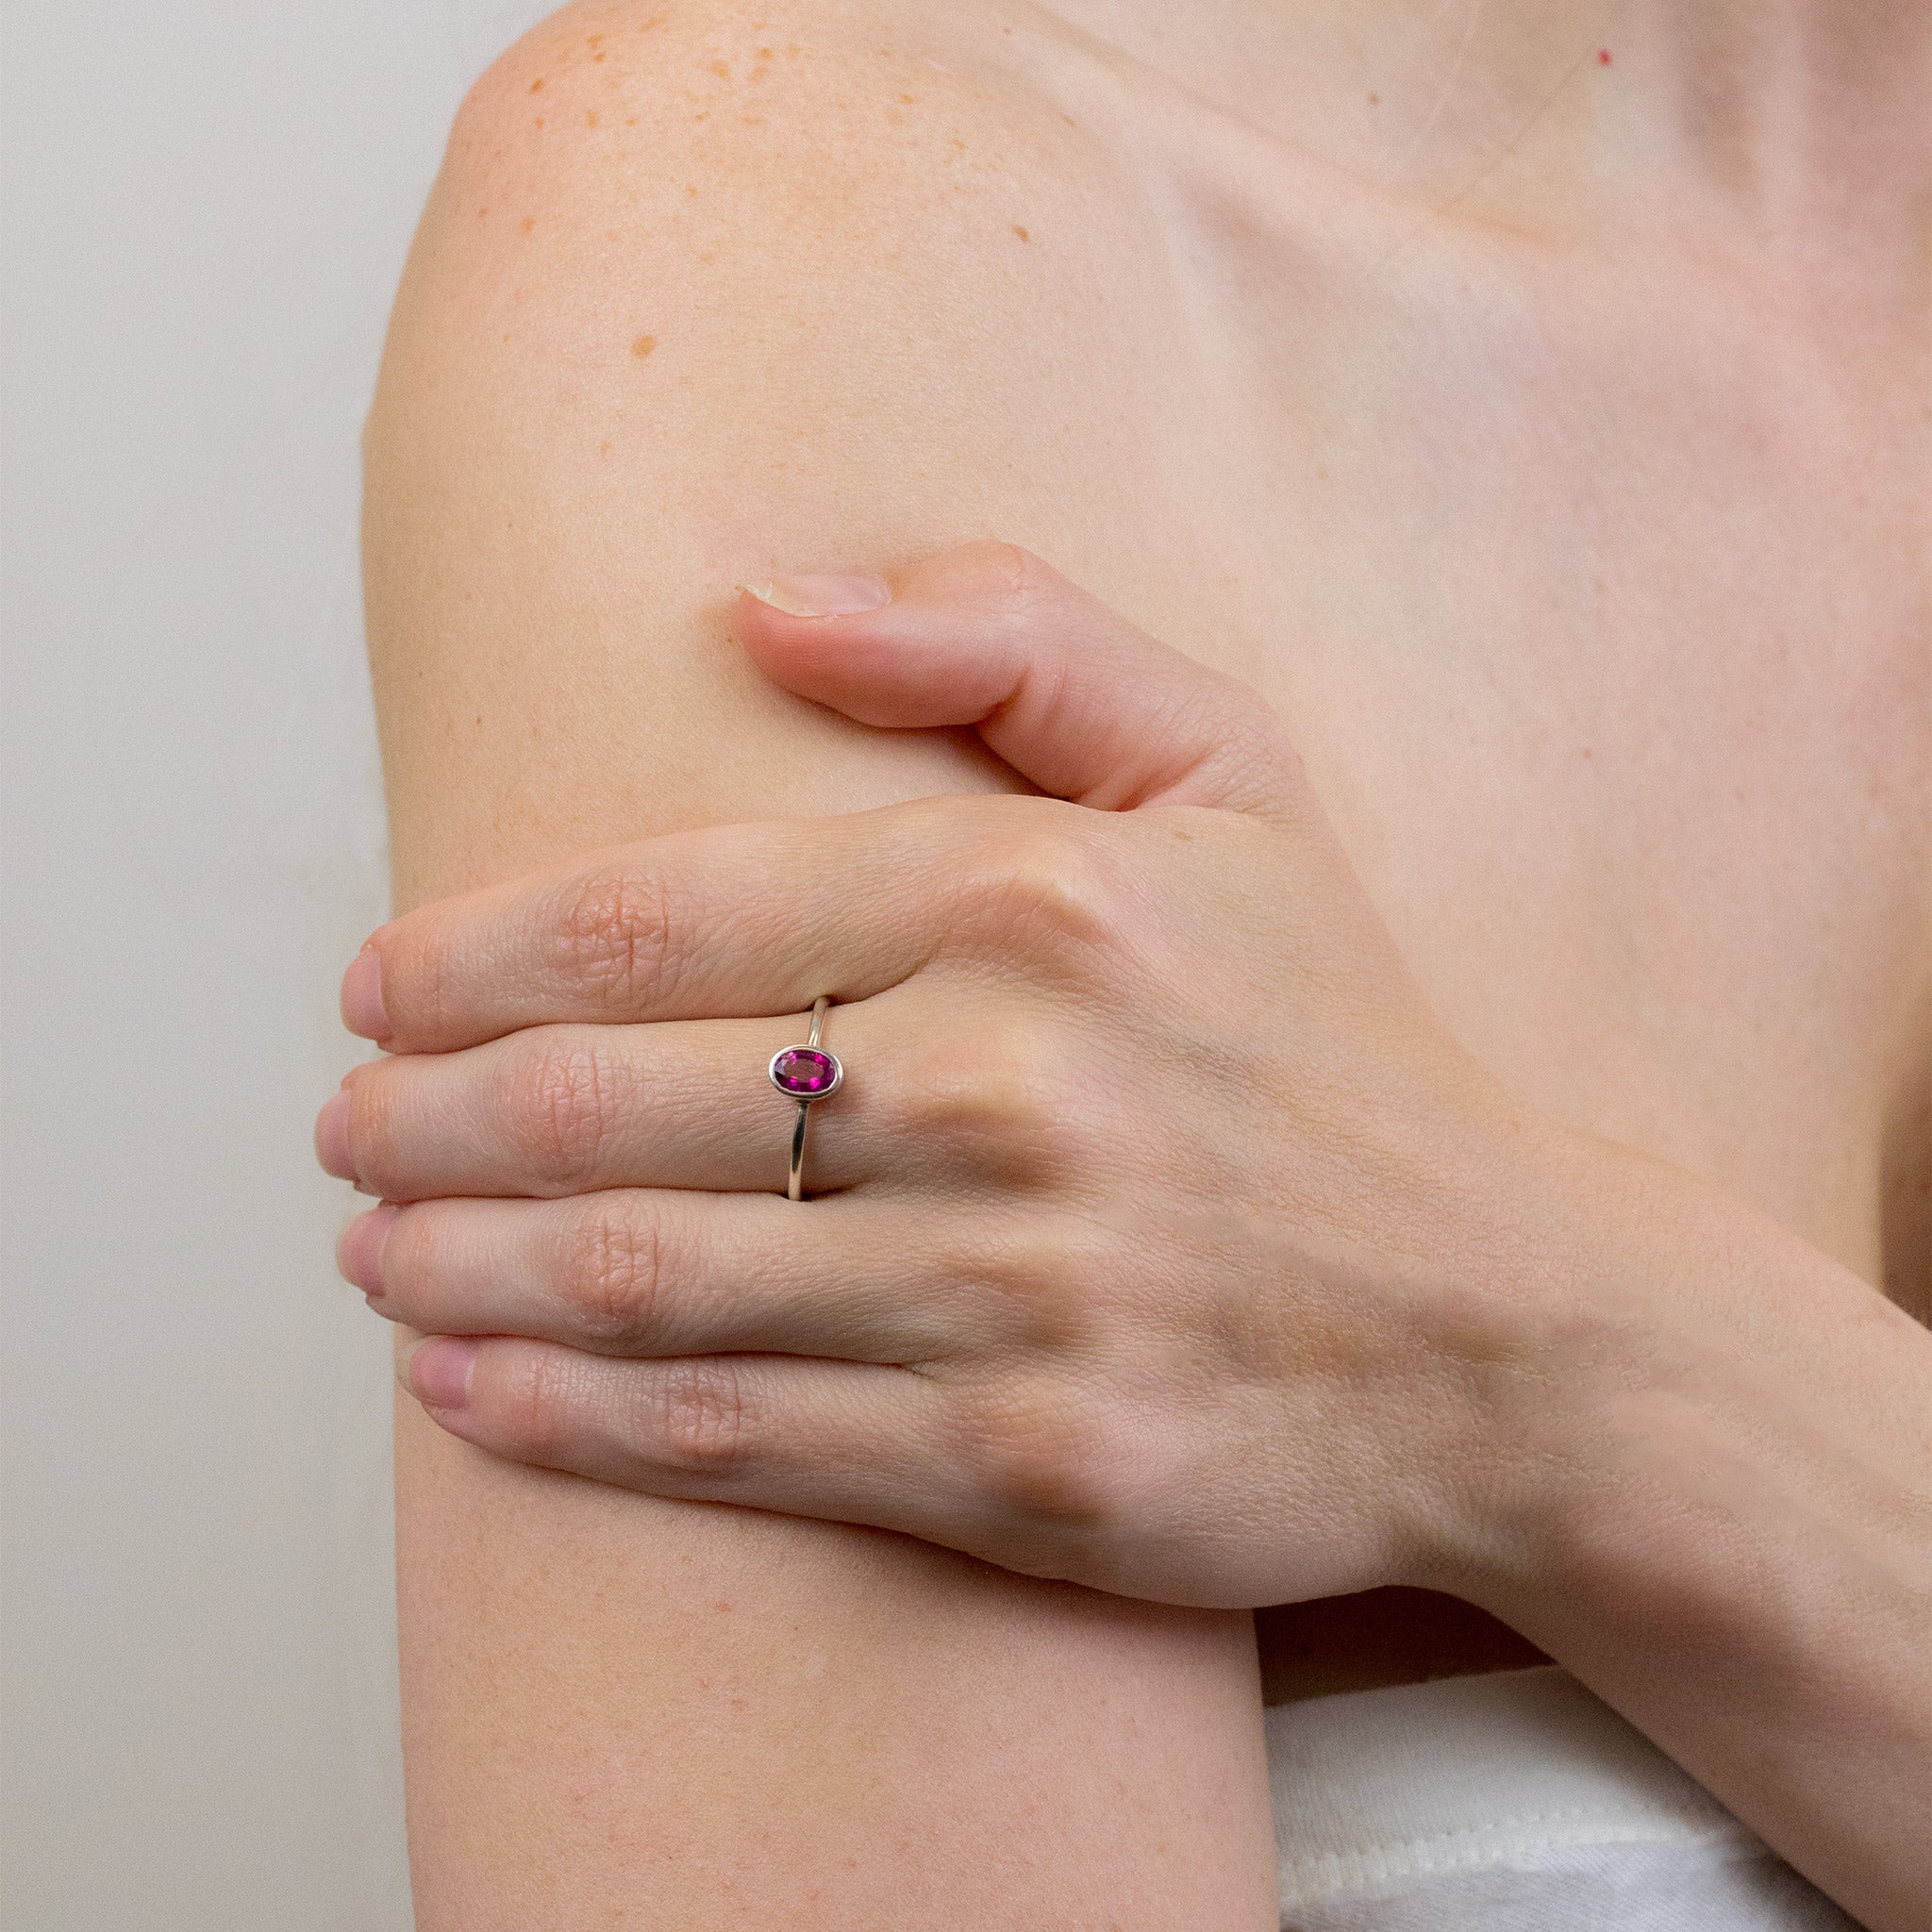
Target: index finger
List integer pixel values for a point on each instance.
(729, 922)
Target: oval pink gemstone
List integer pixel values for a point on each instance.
(804, 1072)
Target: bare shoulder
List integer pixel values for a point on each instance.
(707, 291)
(862, 193)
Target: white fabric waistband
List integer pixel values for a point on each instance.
(1380, 1787)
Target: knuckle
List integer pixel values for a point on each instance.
(373, 1091)
(561, 1102)
(1005, 1093)
(698, 1418)
(1057, 887)
(613, 1279)
(1048, 1278)
(1046, 1452)
(535, 1398)
(616, 937)
(1009, 575)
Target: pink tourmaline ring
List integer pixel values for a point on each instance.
(805, 1073)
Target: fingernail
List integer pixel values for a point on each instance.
(810, 596)
(362, 1010)
(332, 1139)
(359, 1254)
(437, 1371)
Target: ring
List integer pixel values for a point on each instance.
(805, 1073)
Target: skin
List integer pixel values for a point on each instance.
(1628, 796)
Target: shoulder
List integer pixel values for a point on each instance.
(798, 261)
(787, 139)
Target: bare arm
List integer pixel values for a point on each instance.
(667, 327)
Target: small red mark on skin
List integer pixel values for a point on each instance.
(1022, 232)
(1603, 56)
(642, 347)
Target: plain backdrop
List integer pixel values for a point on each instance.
(206, 207)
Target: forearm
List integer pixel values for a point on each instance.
(1730, 1539)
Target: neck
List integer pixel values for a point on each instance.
(1808, 123)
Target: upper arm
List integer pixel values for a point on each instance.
(620, 1710)
(699, 298)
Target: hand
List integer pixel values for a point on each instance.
(1161, 1240)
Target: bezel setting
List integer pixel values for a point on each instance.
(814, 1053)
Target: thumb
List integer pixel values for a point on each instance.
(1067, 692)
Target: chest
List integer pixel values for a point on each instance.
(1599, 610)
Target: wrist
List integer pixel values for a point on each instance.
(1675, 1390)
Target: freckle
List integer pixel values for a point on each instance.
(642, 347)
(505, 335)
(590, 117)
(690, 188)
(537, 85)
(1022, 232)
(1588, 753)
(529, 222)
(1375, 100)
(910, 100)
(540, 120)
(738, 1704)
(764, 53)
(1603, 56)
(593, 40)
(721, 1606)
(721, 69)
(603, 449)
(599, 57)
(630, 121)
(481, 212)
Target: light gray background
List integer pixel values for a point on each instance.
(206, 207)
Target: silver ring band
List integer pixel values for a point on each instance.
(805, 1073)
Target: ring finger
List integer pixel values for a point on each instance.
(558, 1110)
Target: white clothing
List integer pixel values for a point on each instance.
(1515, 1802)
